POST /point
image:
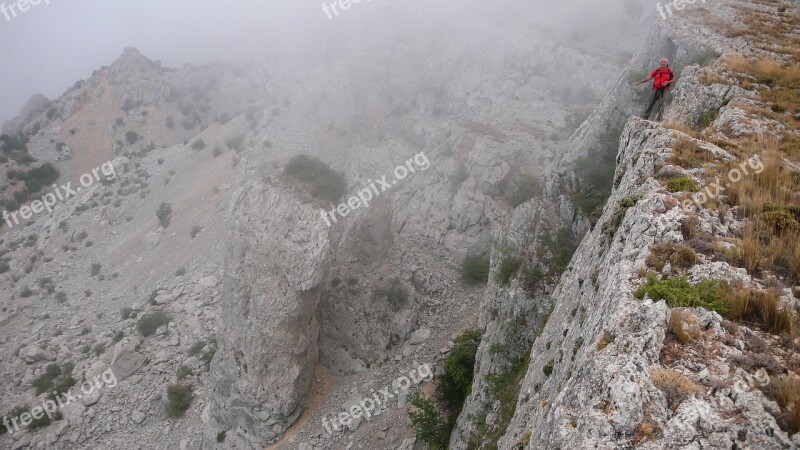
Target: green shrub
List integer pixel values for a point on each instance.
(179, 398)
(524, 188)
(221, 437)
(235, 143)
(508, 268)
(184, 372)
(678, 291)
(96, 267)
(428, 424)
(459, 369)
(610, 228)
(164, 214)
(128, 313)
(36, 179)
(196, 348)
(475, 269)
(4, 266)
(531, 277)
(198, 144)
(561, 249)
(395, 294)
(118, 337)
(208, 355)
(326, 183)
(131, 136)
(150, 322)
(99, 349)
(679, 184)
(705, 119)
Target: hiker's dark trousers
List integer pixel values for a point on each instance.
(658, 94)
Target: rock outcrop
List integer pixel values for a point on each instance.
(277, 256)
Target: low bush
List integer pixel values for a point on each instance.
(179, 398)
(678, 291)
(131, 136)
(394, 293)
(198, 145)
(326, 183)
(508, 268)
(681, 184)
(150, 322)
(531, 277)
(475, 269)
(523, 188)
(164, 214)
(196, 348)
(235, 143)
(610, 227)
(459, 369)
(183, 372)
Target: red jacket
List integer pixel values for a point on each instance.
(661, 76)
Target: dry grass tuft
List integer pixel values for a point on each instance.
(680, 257)
(785, 391)
(675, 386)
(605, 339)
(687, 154)
(682, 325)
(759, 307)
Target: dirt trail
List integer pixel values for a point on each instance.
(320, 388)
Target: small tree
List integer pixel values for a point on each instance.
(179, 398)
(164, 214)
(475, 269)
(428, 424)
(131, 136)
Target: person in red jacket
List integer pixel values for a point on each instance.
(662, 78)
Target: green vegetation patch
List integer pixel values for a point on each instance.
(678, 291)
(326, 183)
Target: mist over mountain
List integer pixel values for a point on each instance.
(399, 224)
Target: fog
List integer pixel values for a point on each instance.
(50, 46)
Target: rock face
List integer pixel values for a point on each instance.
(592, 346)
(276, 257)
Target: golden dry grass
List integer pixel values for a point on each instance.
(762, 308)
(687, 154)
(675, 386)
(785, 391)
(681, 325)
